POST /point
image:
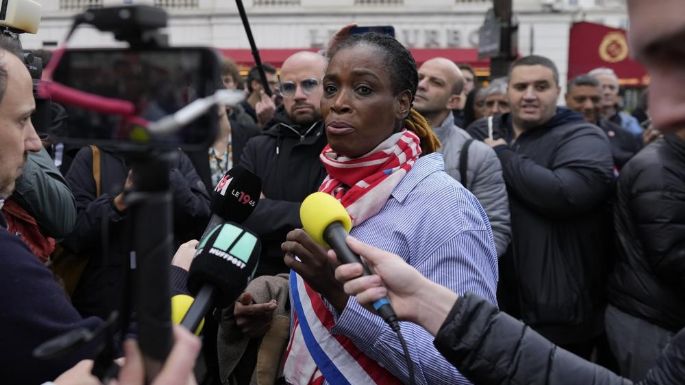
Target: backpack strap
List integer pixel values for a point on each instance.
(464, 161)
(96, 168)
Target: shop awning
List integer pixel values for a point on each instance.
(276, 56)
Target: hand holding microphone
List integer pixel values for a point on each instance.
(327, 222)
(414, 297)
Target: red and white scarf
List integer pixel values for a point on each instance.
(363, 185)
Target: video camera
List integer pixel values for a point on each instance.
(148, 95)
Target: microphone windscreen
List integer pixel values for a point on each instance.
(180, 304)
(226, 259)
(318, 211)
(236, 195)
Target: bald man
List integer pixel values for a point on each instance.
(286, 158)
(472, 163)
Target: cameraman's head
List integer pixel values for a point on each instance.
(17, 135)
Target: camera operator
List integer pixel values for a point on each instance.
(34, 308)
(102, 210)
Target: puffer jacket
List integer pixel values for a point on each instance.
(648, 281)
(286, 158)
(491, 347)
(560, 180)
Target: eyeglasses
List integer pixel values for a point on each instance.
(289, 88)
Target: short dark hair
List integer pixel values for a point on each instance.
(253, 74)
(228, 67)
(532, 60)
(466, 67)
(583, 80)
(399, 61)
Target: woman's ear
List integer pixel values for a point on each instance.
(403, 105)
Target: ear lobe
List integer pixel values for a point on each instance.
(402, 105)
(454, 102)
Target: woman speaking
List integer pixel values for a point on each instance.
(382, 166)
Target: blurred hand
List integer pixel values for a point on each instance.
(413, 297)
(254, 320)
(265, 109)
(119, 202)
(177, 370)
(314, 266)
(78, 375)
(650, 134)
(339, 37)
(494, 142)
(185, 254)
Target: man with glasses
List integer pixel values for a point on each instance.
(286, 158)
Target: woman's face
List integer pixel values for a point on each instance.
(358, 105)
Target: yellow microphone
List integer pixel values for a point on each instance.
(319, 211)
(180, 304)
(327, 223)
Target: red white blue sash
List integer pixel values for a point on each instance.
(315, 355)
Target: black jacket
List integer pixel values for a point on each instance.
(100, 289)
(559, 178)
(649, 278)
(490, 347)
(286, 158)
(624, 145)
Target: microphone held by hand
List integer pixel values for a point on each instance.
(327, 222)
(225, 261)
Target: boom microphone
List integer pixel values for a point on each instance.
(327, 223)
(224, 263)
(234, 198)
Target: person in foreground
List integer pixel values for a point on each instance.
(177, 370)
(486, 345)
(397, 201)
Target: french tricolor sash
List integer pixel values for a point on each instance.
(315, 355)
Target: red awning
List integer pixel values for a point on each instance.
(276, 56)
(594, 45)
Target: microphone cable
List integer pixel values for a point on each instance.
(395, 326)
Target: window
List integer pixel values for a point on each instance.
(275, 3)
(176, 3)
(378, 2)
(79, 5)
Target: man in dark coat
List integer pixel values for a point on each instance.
(558, 171)
(584, 96)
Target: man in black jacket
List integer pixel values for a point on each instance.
(558, 171)
(647, 286)
(584, 95)
(286, 158)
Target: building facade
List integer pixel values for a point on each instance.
(298, 24)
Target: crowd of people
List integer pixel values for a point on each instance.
(518, 240)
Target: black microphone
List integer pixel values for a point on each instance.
(218, 271)
(327, 222)
(234, 198)
(225, 261)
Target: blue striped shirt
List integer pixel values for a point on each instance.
(437, 226)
